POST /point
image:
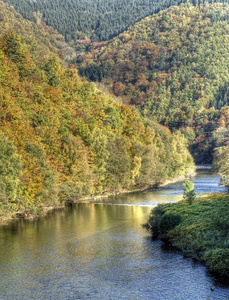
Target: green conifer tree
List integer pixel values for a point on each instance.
(189, 193)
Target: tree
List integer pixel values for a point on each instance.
(221, 163)
(189, 193)
(10, 170)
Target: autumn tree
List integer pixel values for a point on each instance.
(10, 171)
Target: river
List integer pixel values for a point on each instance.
(100, 251)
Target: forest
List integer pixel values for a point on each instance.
(62, 139)
(96, 20)
(174, 67)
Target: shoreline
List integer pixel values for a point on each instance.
(180, 178)
(26, 215)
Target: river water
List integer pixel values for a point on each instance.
(100, 251)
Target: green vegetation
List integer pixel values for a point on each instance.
(39, 40)
(10, 171)
(221, 156)
(189, 194)
(200, 230)
(174, 66)
(97, 20)
(63, 139)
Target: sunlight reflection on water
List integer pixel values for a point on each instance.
(100, 251)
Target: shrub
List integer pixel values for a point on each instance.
(153, 222)
(218, 261)
(168, 222)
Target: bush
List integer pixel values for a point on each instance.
(154, 220)
(218, 261)
(168, 222)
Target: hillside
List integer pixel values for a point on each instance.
(173, 65)
(97, 20)
(61, 138)
(39, 39)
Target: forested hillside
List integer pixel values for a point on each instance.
(40, 40)
(61, 138)
(97, 20)
(173, 65)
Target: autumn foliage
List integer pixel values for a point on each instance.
(65, 139)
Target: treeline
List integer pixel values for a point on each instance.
(98, 20)
(62, 139)
(174, 66)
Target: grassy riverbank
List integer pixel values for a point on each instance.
(200, 230)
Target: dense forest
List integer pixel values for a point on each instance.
(96, 20)
(174, 66)
(39, 39)
(61, 138)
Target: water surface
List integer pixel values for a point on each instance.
(205, 183)
(100, 251)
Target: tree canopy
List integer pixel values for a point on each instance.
(65, 138)
(97, 20)
(174, 66)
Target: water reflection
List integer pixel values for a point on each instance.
(97, 251)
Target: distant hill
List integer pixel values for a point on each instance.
(97, 19)
(61, 138)
(173, 65)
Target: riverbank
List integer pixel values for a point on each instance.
(180, 178)
(36, 212)
(29, 214)
(200, 230)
